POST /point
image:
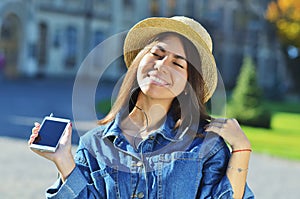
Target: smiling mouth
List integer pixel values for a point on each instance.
(158, 81)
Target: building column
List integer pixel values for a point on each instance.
(142, 9)
(31, 30)
(114, 71)
(31, 68)
(117, 15)
(163, 7)
(181, 8)
(227, 44)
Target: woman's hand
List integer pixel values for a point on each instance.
(62, 157)
(238, 164)
(231, 131)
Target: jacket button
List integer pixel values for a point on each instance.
(139, 163)
(140, 195)
(151, 137)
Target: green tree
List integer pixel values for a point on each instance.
(246, 104)
(285, 16)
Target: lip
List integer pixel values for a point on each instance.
(155, 79)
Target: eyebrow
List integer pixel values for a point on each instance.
(175, 55)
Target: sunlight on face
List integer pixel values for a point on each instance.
(162, 72)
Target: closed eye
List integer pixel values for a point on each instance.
(175, 63)
(156, 55)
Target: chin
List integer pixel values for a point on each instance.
(158, 94)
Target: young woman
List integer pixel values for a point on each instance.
(158, 140)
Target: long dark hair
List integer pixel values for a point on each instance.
(192, 96)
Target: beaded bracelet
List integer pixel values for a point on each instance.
(241, 150)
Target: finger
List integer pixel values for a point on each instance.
(41, 153)
(33, 136)
(36, 127)
(69, 130)
(35, 130)
(219, 120)
(234, 120)
(31, 139)
(214, 129)
(67, 137)
(35, 133)
(216, 124)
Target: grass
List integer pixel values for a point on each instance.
(283, 139)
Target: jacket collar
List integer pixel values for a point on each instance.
(166, 129)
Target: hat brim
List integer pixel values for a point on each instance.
(140, 34)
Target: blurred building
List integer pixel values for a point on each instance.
(52, 37)
(239, 29)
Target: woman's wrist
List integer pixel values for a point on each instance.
(241, 150)
(65, 166)
(241, 146)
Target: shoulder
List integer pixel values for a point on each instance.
(90, 137)
(214, 143)
(211, 143)
(89, 145)
(206, 143)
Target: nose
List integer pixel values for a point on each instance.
(162, 64)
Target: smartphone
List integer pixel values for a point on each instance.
(50, 133)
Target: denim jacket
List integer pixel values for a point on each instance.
(165, 165)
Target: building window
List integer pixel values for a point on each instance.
(128, 3)
(42, 45)
(154, 7)
(56, 38)
(71, 47)
(6, 30)
(100, 1)
(98, 37)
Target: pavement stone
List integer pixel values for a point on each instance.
(23, 173)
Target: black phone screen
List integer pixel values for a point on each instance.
(50, 133)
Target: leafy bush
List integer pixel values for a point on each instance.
(103, 106)
(246, 104)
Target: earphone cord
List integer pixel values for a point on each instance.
(146, 117)
(135, 138)
(135, 188)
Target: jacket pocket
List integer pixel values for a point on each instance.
(176, 172)
(107, 179)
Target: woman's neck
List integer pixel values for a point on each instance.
(147, 115)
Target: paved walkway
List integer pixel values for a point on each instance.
(26, 175)
(274, 178)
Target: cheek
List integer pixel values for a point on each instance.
(180, 81)
(143, 61)
(140, 80)
(144, 65)
(140, 73)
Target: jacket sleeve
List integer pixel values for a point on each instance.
(79, 184)
(215, 184)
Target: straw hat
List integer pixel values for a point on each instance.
(140, 34)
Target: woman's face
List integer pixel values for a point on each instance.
(162, 72)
